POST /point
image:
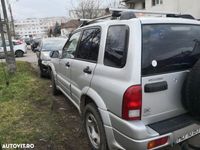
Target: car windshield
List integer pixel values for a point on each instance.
(53, 44)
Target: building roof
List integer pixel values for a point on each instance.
(71, 24)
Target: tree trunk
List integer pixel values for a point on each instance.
(10, 56)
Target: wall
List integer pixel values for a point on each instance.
(178, 6)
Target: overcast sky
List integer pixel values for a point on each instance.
(39, 8)
(43, 8)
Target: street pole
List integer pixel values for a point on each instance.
(12, 26)
(12, 19)
(11, 56)
(3, 38)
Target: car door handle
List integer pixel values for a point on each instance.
(87, 70)
(156, 87)
(67, 64)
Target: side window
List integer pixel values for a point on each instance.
(71, 46)
(89, 45)
(116, 46)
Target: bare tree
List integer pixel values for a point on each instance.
(87, 9)
(10, 56)
(113, 3)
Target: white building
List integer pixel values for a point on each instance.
(177, 6)
(36, 27)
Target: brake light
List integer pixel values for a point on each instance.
(132, 103)
(158, 142)
(19, 42)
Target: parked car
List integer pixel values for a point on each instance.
(46, 46)
(20, 48)
(28, 41)
(35, 43)
(134, 81)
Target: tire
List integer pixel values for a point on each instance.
(42, 73)
(191, 91)
(19, 53)
(55, 91)
(94, 128)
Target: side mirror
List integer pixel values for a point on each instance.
(54, 54)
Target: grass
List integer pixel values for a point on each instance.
(25, 107)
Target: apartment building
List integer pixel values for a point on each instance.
(36, 27)
(177, 6)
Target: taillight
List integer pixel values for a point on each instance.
(132, 103)
(157, 143)
(19, 42)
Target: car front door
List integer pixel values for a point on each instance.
(64, 69)
(84, 63)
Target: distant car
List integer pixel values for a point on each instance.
(28, 41)
(20, 48)
(35, 43)
(44, 49)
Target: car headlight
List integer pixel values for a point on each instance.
(44, 58)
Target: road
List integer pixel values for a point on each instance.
(29, 57)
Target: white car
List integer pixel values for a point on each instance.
(20, 48)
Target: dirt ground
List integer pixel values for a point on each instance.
(69, 120)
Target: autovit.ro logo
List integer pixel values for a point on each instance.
(16, 146)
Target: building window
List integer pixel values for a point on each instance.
(156, 2)
(143, 5)
(153, 2)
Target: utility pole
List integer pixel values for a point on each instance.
(12, 19)
(12, 26)
(3, 38)
(11, 63)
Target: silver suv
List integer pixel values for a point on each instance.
(126, 78)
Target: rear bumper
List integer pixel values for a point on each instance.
(126, 135)
(132, 144)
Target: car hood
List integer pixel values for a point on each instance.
(45, 55)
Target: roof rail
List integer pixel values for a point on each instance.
(141, 11)
(125, 14)
(90, 21)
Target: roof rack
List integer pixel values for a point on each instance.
(126, 14)
(140, 11)
(90, 21)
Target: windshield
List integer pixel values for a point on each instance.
(169, 47)
(53, 44)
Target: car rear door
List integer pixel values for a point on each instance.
(169, 51)
(84, 63)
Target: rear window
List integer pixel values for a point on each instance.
(169, 47)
